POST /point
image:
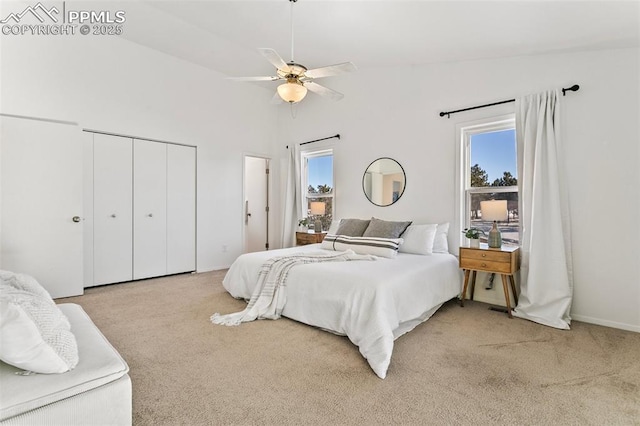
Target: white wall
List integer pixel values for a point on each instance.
(109, 84)
(394, 112)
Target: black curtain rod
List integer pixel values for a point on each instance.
(318, 140)
(573, 88)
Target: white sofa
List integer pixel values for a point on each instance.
(96, 392)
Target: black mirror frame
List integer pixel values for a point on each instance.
(404, 187)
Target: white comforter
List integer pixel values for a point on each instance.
(372, 303)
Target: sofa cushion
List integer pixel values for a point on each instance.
(99, 364)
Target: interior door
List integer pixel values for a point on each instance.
(149, 209)
(256, 191)
(112, 209)
(41, 212)
(181, 209)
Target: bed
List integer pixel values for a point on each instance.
(371, 302)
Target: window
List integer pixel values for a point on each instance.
(489, 172)
(317, 186)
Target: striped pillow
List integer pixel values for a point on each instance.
(384, 247)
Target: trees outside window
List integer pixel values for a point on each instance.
(317, 184)
(489, 172)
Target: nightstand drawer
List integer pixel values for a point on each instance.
(485, 265)
(491, 255)
(304, 238)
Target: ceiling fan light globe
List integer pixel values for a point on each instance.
(292, 92)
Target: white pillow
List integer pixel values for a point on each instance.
(34, 334)
(24, 282)
(440, 243)
(384, 247)
(418, 239)
(333, 229)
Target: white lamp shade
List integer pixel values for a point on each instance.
(317, 208)
(494, 210)
(292, 91)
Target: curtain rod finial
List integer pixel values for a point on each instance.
(573, 88)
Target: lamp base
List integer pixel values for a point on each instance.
(317, 226)
(495, 239)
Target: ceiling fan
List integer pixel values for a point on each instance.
(298, 78)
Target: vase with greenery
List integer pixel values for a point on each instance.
(474, 236)
(304, 223)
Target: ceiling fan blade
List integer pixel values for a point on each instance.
(275, 59)
(330, 70)
(269, 78)
(323, 91)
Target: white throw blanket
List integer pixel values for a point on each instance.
(269, 296)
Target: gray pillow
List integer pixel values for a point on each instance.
(352, 227)
(385, 229)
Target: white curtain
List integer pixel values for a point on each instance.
(546, 267)
(292, 198)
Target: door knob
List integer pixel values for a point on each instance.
(76, 219)
(150, 215)
(113, 215)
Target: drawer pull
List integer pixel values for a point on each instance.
(484, 255)
(484, 265)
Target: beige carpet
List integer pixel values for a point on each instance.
(465, 365)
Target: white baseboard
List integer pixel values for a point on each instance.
(214, 268)
(606, 323)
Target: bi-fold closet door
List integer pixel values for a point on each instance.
(112, 209)
(149, 209)
(144, 209)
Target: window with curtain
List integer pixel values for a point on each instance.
(489, 172)
(317, 186)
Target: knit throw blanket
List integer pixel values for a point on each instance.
(269, 296)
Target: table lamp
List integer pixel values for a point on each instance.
(494, 210)
(318, 209)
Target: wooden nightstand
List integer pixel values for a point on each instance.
(304, 238)
(504, 261)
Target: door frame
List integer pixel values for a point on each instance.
(268, 189)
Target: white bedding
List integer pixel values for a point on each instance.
(372, 303)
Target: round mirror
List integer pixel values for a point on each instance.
(384, 181)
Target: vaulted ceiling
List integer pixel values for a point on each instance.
(224, 35)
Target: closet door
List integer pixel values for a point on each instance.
(112, 209)
(181, 209)
(149, 209)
